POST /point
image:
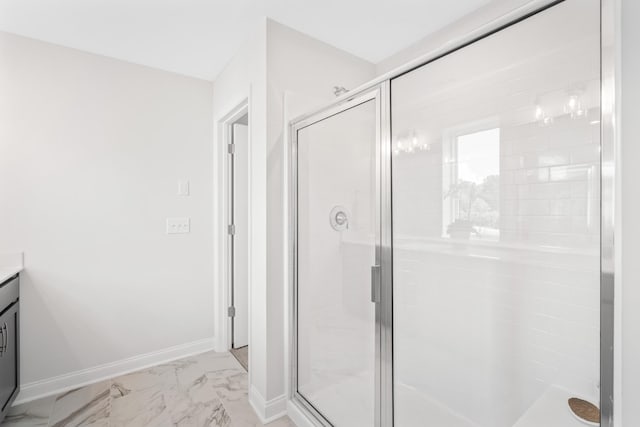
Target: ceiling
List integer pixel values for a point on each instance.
(198, 37)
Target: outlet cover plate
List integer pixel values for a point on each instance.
(178, 225)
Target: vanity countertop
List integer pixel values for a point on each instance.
(6, 273)
(10, 265)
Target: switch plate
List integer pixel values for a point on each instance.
(178, 225)
(183, 188)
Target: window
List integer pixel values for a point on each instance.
(472, 185)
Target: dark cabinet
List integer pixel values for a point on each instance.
(9, 344)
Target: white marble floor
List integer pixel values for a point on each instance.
(209, 389)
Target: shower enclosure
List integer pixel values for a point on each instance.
(451, 235)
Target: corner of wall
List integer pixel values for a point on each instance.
(267, 410)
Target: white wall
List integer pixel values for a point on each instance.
(630, 211)
(91, 151)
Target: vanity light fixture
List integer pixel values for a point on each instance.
(542, 117)
(573, 106)
(409, 142)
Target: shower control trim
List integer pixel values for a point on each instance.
(339, 218)
(376, 283)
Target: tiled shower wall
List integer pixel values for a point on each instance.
(486, 324)
(503, 321)
(550, 183)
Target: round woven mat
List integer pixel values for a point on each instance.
(584, 410)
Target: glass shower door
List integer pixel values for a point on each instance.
(337, 237)
(496, 208)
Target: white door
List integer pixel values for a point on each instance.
(240, 245)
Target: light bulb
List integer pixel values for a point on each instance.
(574, 107)
(539, 113)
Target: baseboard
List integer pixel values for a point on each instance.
(220, 345)
(267, 410)
(72, 380)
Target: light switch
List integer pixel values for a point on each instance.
(183, 188)
(178, 225)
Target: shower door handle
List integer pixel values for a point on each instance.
(375, 283)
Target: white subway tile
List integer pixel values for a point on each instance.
(569, 173)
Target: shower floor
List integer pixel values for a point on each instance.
(412, 406)
(345, 400)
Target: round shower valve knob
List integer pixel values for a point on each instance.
(339, 218)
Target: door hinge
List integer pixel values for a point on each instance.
(231, 148)
(231, 311)
(231, 229)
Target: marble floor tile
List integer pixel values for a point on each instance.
(32, 414)
(233, 392)
(213, 362)
(220, 367)
(163, 375)
(207, 390)
(145, 407)
(210, 413)
(281, 422)
(85, 406)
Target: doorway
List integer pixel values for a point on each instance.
(238, 237)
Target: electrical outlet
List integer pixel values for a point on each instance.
(178, 225)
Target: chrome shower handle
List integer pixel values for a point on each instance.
(376, 283)
(5, 339)
(341, 218)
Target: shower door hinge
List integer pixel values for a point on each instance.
(231, 229)
(231, 311)
(231, 148)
